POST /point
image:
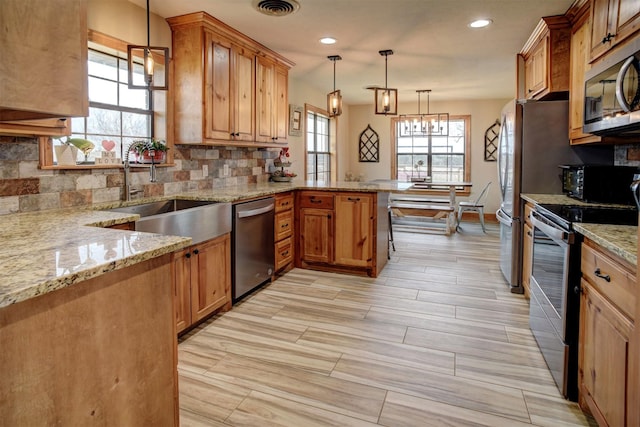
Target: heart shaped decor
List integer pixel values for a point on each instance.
(108, 144)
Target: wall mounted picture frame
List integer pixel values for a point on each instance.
(369, 145)
(295, 120)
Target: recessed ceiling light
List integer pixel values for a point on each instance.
(327, 40)
(480, 23)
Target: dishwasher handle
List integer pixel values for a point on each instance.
(255, 212)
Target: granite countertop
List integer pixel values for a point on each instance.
(48, 250)
(621, 240)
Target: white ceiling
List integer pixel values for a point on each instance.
(433, 46)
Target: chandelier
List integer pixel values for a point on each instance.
(425, 124)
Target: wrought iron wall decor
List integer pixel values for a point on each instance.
(491, 142)
(369, 145)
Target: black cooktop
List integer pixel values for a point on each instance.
(568, 214)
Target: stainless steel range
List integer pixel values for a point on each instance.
(555, 284)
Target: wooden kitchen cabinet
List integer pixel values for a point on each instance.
(354, 229)
(607, 313)
(612, 22)
(202, 280)
(229, 89)
(527, 249)
(338, 231)
(579, 65)
(283, 229)
(54, 33)
(271, 101)
(546, 59)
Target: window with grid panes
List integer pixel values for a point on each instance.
(439, 158)
(318, 147)
(116, 113)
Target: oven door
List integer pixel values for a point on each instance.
(548, 305)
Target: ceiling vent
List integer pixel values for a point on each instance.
(276, 7)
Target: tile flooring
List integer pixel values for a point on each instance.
(436, 340)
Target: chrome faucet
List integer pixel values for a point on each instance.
(128, 191)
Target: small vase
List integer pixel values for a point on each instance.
(66, 155)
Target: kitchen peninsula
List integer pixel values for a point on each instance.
(106, 294)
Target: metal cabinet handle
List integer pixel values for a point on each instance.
(285, 253)
(602, 276)
(315, 201)
(353, 199)
(607, 38)
(284, 225)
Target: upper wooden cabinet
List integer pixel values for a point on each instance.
(43, 71)
(612, 21)
(546, 59)
(229, 89)
(579, 64)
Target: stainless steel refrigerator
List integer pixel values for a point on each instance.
(533, 142)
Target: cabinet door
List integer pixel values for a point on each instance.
(316, 235)
(211, 276)
(579, 64)
(536, 69)
(612, 21)
(265, 80)
(218, 96)
(244, 95)
(604, 357)
(181, 265)
(281, 113)
(44, 59)
(628, 18)
(354, 229)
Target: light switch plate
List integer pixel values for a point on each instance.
(225, 170)
(205, 170)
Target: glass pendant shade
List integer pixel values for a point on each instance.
(334, 99)
(155, 65)
(386, 99)
(334, 103)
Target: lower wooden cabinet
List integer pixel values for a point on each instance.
(527, 249)
(337, 231)
(202, 280)
(283, 232)
(606, 324)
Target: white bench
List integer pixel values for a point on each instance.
(427, 212)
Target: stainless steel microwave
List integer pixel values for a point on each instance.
(612, 93)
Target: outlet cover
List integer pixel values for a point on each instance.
(225, 170)
(205, 170)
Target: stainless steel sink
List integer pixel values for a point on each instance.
(199, 220)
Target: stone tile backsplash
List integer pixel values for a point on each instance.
(24, 187)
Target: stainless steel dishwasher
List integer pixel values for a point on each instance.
(252, 245)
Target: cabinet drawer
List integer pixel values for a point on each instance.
(283, 225)
(284, 202)
(284, 253)
(316, 200)
(615, 283)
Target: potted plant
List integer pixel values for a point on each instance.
(141, 149)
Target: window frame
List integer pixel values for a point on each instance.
(116, 47)
(331, 143)
(463, 191)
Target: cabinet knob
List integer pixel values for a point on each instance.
(196, 251)
(188, 255)
(602, 276)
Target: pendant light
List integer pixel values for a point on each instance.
(334, 99)
(386, 99)
(153, 80)
(426, 124)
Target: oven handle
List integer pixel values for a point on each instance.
(551, 230)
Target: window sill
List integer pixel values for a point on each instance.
(118, 166)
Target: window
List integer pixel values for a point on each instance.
(441, 158)
(318, 146)
(116, 113)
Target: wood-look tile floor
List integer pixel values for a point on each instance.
(436, 340)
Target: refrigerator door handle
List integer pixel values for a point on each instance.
(503, 218)
(502, 170)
